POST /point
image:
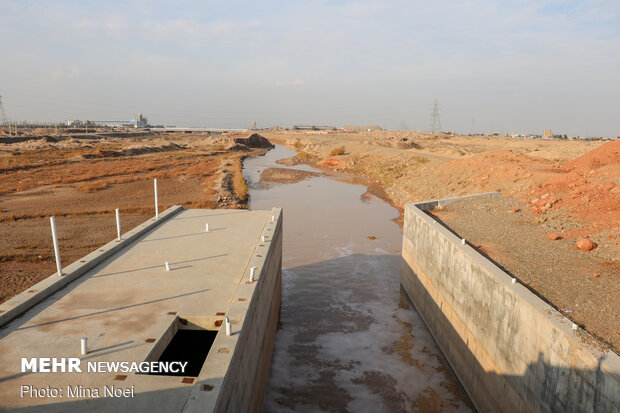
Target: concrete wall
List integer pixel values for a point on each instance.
(235, 374)
(511, 351)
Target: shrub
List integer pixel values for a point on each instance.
(337, 151)
(304, 155)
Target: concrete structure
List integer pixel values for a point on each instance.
(131, 309)
(313, 127)
(511, 351)
(139, 121)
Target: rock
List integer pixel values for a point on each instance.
(371, 237)
(585, 244)
(544, 196)
(595, 275)
(255, 141)
(515, 209)
(553, 236)
(237, 147)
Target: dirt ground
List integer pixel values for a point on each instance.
(578, 284)
(571, 188)
(82, 181)
(286, 176)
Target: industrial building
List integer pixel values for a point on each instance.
(138, 121)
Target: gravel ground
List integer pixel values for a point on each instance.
(580, 285)
(286, 176)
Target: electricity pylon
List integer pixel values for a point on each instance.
(435, 124)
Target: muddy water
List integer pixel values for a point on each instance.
(349, 340)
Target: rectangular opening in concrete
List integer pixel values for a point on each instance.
(191, 346)
(188, 340)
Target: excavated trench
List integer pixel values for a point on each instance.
(349, 339)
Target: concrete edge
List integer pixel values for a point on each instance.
(217, 366)
(609, 360)
(432, 204)
(14, 307)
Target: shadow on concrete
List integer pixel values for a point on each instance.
(99, 350)
(113, 309)
(542, 387)
(182, 236)
(161, 266)
(209, 215)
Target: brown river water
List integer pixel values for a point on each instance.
(349, 340)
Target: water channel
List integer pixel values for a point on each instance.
(349, 340)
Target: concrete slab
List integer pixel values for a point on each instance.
(128, 303)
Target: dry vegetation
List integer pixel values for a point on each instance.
(337, 151)
(81, 182)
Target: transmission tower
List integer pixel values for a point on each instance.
(4, 119)
(435, 124)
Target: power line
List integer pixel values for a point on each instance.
(435, 123)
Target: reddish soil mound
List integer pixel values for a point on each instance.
(584, 190)
(606, 154)
(332, 163)
(490, 171)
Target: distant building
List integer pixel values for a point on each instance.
(138, 122)
(312, 127)
(352, 128)
(141, 121)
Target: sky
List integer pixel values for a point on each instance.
(511, 65)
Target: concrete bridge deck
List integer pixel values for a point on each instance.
(129, 307)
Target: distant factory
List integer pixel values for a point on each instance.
(138, 122)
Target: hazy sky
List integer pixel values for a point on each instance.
(522, 65)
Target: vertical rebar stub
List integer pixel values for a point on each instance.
(574, 327)
(514, 280)
(56, 249)
(263, 238)
(252, 274)
(118, 224)
(206, 227)
(84, 345)
(463, 241)
(228, 327)
(156, 200)
(167, 266)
